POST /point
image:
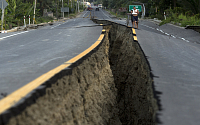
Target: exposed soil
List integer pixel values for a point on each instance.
(110, 86)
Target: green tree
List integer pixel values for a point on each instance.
(16, 10)
(193, 5)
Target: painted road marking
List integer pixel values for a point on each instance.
(76, 58)
(55, 26)
(101, 37)
(65, 22)
(105, 14)
(14, 97)
(103, 31)
(17, 95)
(13, 35)
(166, 33)
(135, 38)
(173, 36)
(85, 14)
(58, 25)
(133, 31)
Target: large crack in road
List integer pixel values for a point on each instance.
(132, 77)
(112, 85)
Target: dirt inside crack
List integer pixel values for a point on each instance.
(111, 86)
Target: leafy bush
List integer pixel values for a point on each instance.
(168, 20)
(159, 16)
(183, 19)
(44, 19)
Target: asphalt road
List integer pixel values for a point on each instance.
(26, 55)
(174, 56)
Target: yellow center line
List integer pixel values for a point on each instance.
(135, 38)
(88, 15)
(17, 95)
(76, 58)
(101, 37)
(134, 32)
(14, 97)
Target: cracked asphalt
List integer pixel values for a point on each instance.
(174, 55)
(26, 55)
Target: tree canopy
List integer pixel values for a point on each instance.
(157, 6)
(17, 9)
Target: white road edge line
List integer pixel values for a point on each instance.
(105, 14)
(166, 33)
(85, 13)
(55, 26)
(13, 35)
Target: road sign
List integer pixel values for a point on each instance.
(3, 4)
(139, 7)
(65, 9)
(122, 9)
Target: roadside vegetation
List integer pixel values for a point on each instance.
(181, 19)
(17, 9)
(119, 15)
(179, 12)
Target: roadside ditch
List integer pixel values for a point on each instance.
(111, 85)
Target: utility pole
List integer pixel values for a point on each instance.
(78, 5)
(4, 4)
(63, 12)
(74, 5)
(2, 17)
(34, 13)
(57, 5)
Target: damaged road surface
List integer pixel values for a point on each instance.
(102, 77)
(175, 65)
(26, 55)
(173, 53)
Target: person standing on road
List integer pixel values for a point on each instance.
(135, 17)
(132, 17)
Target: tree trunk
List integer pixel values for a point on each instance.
(156, 9)
(5, 23)
(174, 3)
(57, 7)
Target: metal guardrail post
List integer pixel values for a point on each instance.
(127, 21)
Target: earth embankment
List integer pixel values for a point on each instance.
(111, 85)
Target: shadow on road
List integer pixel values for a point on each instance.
(157, 95)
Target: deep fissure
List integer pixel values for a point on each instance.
(112, 86)
(132, 78)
